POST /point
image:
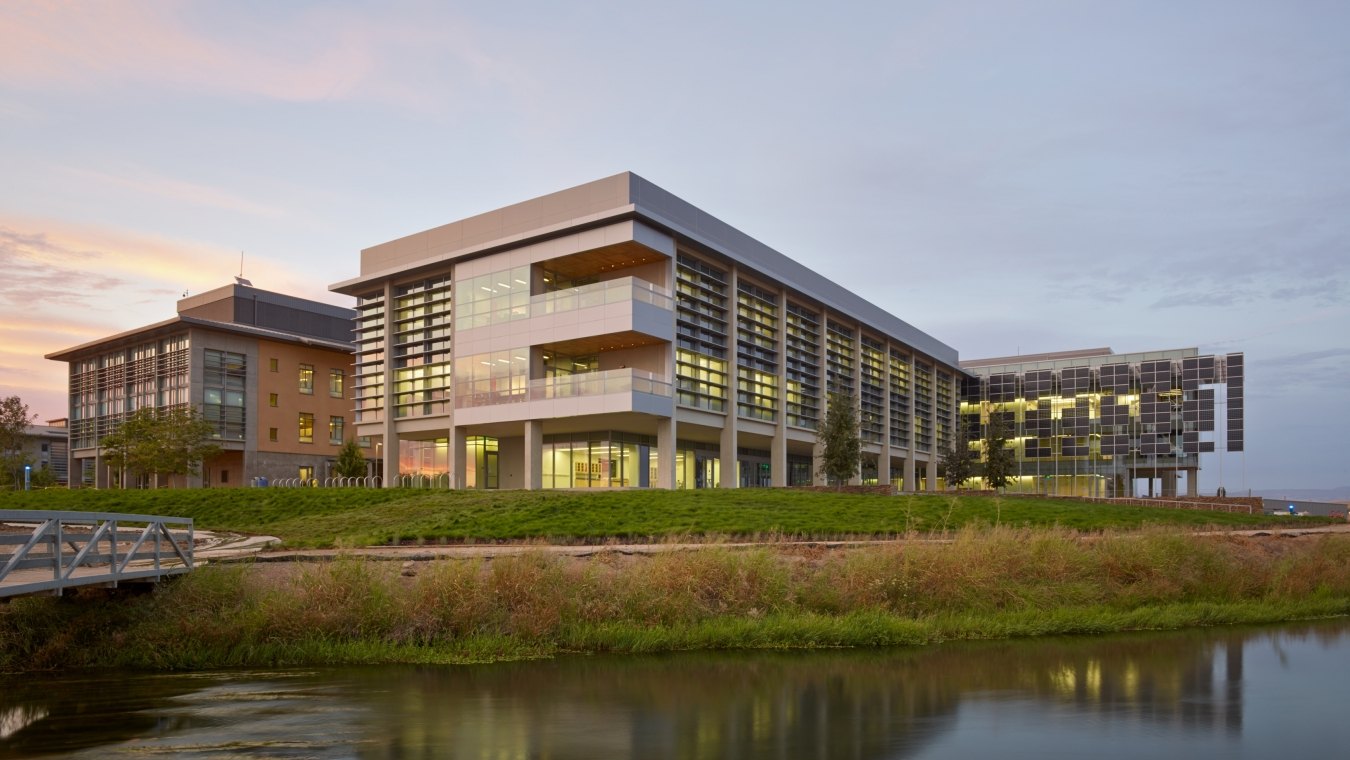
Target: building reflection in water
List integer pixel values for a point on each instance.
(851, 703)
(800, 705)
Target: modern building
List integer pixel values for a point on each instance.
(42, 447)
(1097, 423)
(271, 371)
(613, 335)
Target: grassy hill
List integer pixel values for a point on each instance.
(319, 517)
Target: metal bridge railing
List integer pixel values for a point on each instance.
(49, 551)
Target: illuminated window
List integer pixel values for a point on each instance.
(306, 473)
(307, 379)
(335, 425)
(272, 364)
(306, 427)
(271, 399)
(272, 435)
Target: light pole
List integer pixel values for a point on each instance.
(28, 478)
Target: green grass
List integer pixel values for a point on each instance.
(991, 583)
(317, 517)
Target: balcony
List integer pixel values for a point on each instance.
(616, 390)
(624, 305)
(599, 294)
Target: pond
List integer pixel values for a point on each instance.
(1213, 693)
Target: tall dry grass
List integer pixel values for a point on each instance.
(982, 583)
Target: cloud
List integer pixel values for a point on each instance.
(142, 180)
(285, 53)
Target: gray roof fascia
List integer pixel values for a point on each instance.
(665, 209)
(260, 332)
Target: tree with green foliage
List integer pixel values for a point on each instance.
(841, 447)
(957, 464)
(14, 422)
(351, 463)
(166, 442)
(999, 462)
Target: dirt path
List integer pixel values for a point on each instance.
(254, 548)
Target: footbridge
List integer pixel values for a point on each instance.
(47, 552)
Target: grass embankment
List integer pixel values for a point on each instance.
(986, 584)
(320, 517)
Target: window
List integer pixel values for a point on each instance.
(271, 399)
(306, 427)
(224, 477)
(336, 379)
(306, 473)
(363, 441)
(335, 425)
(223, 377)
(272, 435)
(307, 379)
(272, 364)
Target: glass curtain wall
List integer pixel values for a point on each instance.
(701, 334)
(421, 347)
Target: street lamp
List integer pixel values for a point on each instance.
(27, 477)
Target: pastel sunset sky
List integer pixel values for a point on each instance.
(1009, 176)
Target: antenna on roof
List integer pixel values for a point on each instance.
(239, 278)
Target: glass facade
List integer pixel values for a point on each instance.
(223, 378)
(105, 389)
(700, 334)
(599, 460)
(756, 353)
(421, 347)
(1089, 424)
(803, 367)
(370, 358)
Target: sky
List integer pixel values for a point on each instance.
(1013, 176)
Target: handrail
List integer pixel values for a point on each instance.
(613, 381)
(67, 549)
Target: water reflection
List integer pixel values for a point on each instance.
(1187, 688)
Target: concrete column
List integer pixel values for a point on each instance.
(455, 456)
(1193, 482)
(930, 472)
(390, 453)
(534, 454)
(728, 477)
(1169, 484)
(778, 468)
(665, 454)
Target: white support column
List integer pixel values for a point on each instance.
(455, 456)
(778, 466)
(665, 453)
(729, 477)
(534, 454)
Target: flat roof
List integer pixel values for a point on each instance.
(172, 325)
(605, 201)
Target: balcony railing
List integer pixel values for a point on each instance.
(599, 294)
(614, 381)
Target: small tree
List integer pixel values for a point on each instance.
(841, 447)
(957, 464)
(998, 458)
(165, 442)
(351, 463)
(14, 422)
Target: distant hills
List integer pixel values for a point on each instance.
(1305, 494)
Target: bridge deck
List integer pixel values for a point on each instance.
(46, 552)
